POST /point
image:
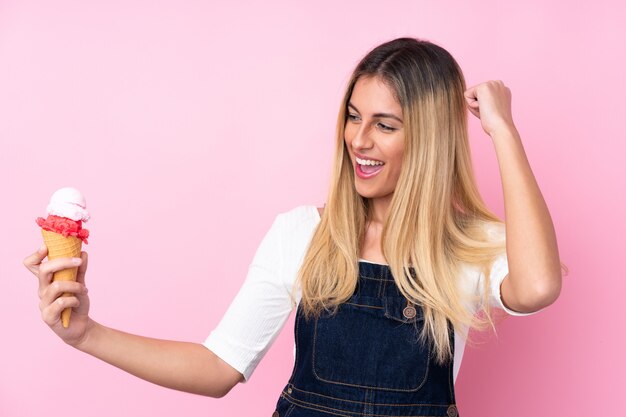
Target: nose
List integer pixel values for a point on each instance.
(362, 139)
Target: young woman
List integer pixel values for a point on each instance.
(388, 277)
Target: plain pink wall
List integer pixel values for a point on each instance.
(190, 125)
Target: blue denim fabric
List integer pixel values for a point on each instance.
(366, 359)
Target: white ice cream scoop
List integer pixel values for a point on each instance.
(70, 203)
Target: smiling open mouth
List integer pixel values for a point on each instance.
(366, 168)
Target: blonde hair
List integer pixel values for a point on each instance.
(436, 220)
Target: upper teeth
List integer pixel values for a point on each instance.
(368, 162)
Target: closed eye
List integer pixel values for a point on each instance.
(386, 128)
(382, 126)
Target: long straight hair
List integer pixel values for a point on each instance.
(437, 221)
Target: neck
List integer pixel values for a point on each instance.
(379, 209)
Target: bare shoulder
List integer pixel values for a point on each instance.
(320, 210)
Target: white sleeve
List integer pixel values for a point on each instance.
(499, 271)
(259, 310)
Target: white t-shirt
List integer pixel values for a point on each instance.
(262, 306)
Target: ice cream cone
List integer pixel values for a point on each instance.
(60, 246)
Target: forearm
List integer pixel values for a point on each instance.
(531, 245)
(183, 366)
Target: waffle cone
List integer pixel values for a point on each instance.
(60, 246)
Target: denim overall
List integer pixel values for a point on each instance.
(366, 359)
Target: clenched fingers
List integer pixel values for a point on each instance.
(61, 295)
(51, 314)
(57, 289)
(47, 270)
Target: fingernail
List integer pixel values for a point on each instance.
(76, 261)
(42, 248)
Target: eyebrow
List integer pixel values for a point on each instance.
(392, 116)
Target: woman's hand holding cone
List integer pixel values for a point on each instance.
(50, 293)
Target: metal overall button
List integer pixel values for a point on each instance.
(452, 411)
(409, 312)
(402, 310)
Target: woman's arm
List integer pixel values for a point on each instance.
(183, 366)
(534, 266)
(534, 279)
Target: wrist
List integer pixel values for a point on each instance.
(91, 329)
(505, 129)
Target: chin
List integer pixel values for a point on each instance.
(372, 193)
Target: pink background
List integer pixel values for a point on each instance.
(190, 125)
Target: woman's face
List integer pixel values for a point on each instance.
(374, 137)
